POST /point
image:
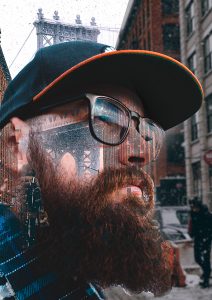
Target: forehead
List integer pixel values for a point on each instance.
(77, 111)
(125, 95)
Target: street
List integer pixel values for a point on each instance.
(191, 292)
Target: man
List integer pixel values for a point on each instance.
(84, 121)
(200, 228)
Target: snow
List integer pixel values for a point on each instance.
(191, 292)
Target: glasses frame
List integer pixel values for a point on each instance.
(92, 98)
(131, 115)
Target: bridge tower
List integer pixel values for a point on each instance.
(5, 155)
(54, 31)
(50, 32)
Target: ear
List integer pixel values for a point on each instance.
(18, 141)
(20, 129)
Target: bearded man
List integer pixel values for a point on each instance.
(82, 126)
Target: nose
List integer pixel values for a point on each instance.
(134, 151)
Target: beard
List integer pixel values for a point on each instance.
(96, 239)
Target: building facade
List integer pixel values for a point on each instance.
(154, 25)
(196, 53)
(5, 180)
(151, 25)
(4, 74)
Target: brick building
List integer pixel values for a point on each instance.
(154, 25)
(196, 52)
(5, 182)
(151, 26)
(4, 74)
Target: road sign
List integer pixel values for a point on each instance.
(208, 157)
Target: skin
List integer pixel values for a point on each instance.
(121, 154)
(130, 153)
(195, 209)
(101, 195)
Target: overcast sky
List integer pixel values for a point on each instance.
(17, 17)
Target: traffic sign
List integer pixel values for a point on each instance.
(208, 157)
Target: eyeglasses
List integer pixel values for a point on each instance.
(110, 121)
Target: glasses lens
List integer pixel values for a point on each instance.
(109, 120)
(153, 135)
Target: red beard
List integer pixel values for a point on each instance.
(95, 239)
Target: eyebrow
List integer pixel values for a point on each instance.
(52, 120)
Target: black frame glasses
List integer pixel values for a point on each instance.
(131, 115)
(147, 128)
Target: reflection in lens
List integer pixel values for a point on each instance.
(153, 135)
(110, 121)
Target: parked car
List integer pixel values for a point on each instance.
(173, 222)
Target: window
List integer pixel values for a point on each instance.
(171, 37)
(149, 41)
(144, 44)
(170, 7)
(172, 191)
(183, 216)
(189, 12)
(194, 127)
(196, 171)
(144, 17)
(148, 8)
(192, 62)
(134, 44)
(208, 101)
(205, 5)
(207, 51)
(140, 24)
(210, 178)
(175, 150)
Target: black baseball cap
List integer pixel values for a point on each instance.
(169, 91)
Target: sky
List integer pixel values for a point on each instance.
(17, 17)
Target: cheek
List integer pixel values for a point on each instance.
(85, 155)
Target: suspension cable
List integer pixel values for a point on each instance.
(22, 47)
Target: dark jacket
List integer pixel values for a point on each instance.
(20, 274)
(200, 225)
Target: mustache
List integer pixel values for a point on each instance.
(98, 239)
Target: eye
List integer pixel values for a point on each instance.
(147, 138)
(108, 120)
(105, 118)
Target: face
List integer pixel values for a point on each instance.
(195, 209)
(98, 198)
